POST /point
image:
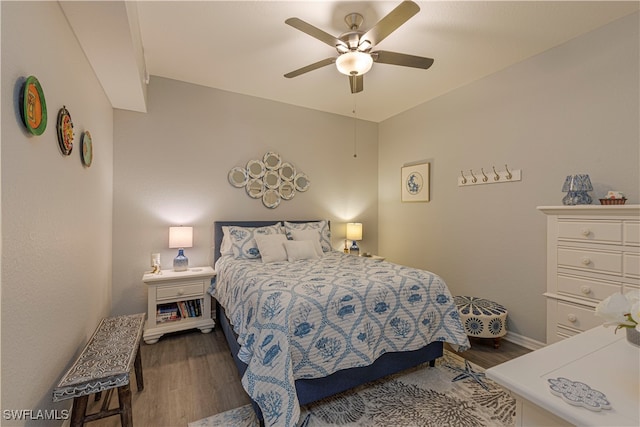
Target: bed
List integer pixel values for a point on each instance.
(304, 328)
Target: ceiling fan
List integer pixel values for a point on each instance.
(355, 47)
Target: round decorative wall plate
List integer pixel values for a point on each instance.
(87, 149)
(33, 108)
(65, 131)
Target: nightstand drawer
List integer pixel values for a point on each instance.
(577, 317)
(598, 261)
(186, 289)
(585, 288)
(591, 231)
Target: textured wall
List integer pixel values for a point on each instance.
(171, 168)
(56, 214)
(572, 109)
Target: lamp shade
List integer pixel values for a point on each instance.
(180, 237)
(580, 182)
(354, 231)
(354, 63)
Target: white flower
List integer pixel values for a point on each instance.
(614, 310)
(635, 314)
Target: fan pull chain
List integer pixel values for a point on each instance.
(355, 129)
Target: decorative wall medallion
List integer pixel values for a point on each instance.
(65, 131)
(87, 148)
(238, 177)
(33, 107)
(269, 179)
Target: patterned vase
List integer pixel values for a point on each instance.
(633, 336)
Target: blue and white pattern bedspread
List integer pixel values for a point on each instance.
(308, 319)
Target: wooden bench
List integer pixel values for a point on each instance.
(103, 365)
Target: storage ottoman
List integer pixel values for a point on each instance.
(482, 318)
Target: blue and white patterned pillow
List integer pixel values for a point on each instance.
(322, 226)
(244, 244)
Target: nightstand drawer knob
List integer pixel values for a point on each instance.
(181, 291)
(585, 289)
(585, 260)
(572, 318)
(586, 232)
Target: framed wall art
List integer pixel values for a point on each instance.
(415, 183)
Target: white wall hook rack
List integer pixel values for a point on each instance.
(490, 176)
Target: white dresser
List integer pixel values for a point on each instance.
(593, 251)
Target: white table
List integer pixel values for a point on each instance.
(599, 358)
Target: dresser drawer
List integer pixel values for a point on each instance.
(186, 289)
(577, 317)
(631, 233)
(598, 261)
(586, 288)
(631, 265)
(591, 231)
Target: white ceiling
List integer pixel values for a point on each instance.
(245, 46)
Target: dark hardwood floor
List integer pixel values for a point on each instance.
(189, 376)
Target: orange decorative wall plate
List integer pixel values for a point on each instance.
(33, 108)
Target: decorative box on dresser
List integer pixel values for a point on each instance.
(593, 251)
(185, 288)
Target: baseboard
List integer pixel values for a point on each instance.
(523, 341)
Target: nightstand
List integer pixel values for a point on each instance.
(178, 300)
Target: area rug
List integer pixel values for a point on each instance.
(453, 393)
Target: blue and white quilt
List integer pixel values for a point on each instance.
(308, 319)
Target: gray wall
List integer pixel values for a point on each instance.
(572, 109)
(171, 167)
(56, 214)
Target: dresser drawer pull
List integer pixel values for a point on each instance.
(572, 318)
(181, 291)
(585, 260)
(585, 289)
(585, 232)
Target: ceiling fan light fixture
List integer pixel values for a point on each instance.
(354, 63)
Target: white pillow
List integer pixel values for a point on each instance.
(271, 247)
(299, 250)
(243, 242)
(322, 226)
(226, 247)
(311, 235)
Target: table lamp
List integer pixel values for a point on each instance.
(180, 237)
(576, 187)
(354, 233)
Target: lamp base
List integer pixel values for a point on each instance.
(354, 249)
(180, 262)
(576, 198)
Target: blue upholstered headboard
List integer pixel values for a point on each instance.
(217, 230)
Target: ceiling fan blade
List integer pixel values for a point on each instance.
(356, 83)
(314, 32)
(395, 58)
(311, 67)
(398, 16)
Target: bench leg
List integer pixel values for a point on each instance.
(138, 368)
(124, 398)
(78, 411)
